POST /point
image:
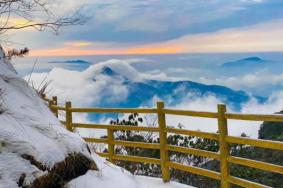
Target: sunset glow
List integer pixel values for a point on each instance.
(18, 22)
(77, 52)
(78, 43)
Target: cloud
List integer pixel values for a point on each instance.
(39, 66)
(208, 104)
(125, 69)
(252, 80)
(18, 22)
(137, 60)
(149, 21)
(264, 37)
(75, 44)
(80, 88)
(175, 70)
(69, 83)
(182, 70)
(83, 52)
(154, 72)
(159, 16)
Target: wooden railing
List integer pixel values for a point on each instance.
(223, 138)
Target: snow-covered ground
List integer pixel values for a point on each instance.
(158, 183)
(111, 176)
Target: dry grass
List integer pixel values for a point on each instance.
(3, 107)
(42, 88)
(21, 85)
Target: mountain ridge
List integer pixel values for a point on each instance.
(72, 62)
(141, 93)
(250, 62)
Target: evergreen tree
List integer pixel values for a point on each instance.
(270, 130)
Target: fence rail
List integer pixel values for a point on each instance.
(223, 138)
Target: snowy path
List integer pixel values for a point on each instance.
(111, 176)
(149, 182)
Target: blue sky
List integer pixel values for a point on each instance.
(163, 26)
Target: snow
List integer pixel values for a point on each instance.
(113, 176)
(27, 126)
(108, 175)
(158, 183)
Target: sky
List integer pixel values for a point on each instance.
(162, 40)
(162, 27)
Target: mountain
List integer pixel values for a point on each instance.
(247, 62)
(77, 65)
(109, 72)
(228, 96)
(141, 93)
(72, 62)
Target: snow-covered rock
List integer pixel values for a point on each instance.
(28, 127)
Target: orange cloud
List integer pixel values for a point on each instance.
(77, 52)
(78, 44)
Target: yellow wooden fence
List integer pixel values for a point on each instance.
(223, 138)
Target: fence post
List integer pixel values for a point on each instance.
(224, 146)
(110, 136)
(69, 117)
(55, 102)
(163, 141)
(50, 104)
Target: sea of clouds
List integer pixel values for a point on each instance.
(79, 87)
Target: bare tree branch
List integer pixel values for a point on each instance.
(37, 14)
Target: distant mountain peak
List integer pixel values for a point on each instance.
(108, 71)
(252, 59)
(249, 62)
(74, 62)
